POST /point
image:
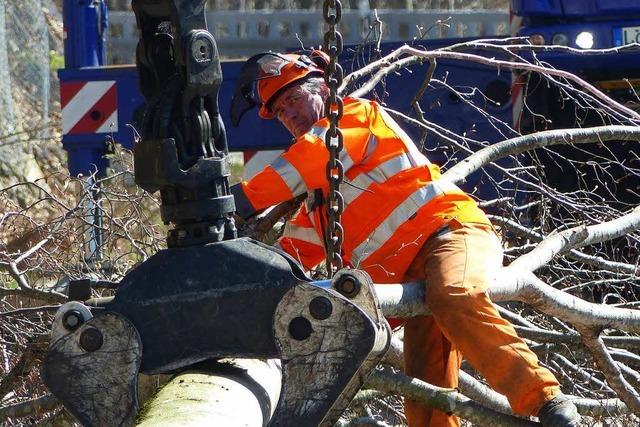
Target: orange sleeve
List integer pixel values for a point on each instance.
(266, 189)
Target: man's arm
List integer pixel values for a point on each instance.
(277, 183)
(287, 177)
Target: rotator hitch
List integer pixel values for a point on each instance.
(210, 294)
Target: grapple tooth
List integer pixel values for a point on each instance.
(328, 347)
(93, 371)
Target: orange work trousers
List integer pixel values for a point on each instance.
(457, 265)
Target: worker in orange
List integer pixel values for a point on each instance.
(401, 223)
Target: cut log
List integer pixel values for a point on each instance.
(230, 392)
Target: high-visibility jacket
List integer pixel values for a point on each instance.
(393, 197)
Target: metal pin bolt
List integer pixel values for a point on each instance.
(320, 308)
(300, 328)
(348, 286)
(72, 320)
(91, 339)
(201, 50)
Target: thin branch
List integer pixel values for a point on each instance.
(578, 373)
(611, 370)
(596, 261)
(550, 247)
(624, 356)
(32, 250)
(444, 399)
(36, 406)
(17, 275)
(548, 336)
(44, 296)
(512, 146)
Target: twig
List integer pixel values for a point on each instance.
(36, 406)
(521, 144)
(611, 370)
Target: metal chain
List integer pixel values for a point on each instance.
(333, 109)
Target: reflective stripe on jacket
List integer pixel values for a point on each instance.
(393, 197)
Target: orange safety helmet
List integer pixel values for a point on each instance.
(266, 75)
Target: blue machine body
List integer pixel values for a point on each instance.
(85, 24)
(580, 9)
(609, 23)
(605, 18)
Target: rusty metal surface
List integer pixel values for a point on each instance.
(94, 370)
(326, 358)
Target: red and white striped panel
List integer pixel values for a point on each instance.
(89, 107)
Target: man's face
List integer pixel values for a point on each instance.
(298, 109)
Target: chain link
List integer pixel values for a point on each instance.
(333, 108)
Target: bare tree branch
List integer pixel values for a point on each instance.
(36, 406)
(611, 370)
(538, 140)
(446, 400)
(391, 63)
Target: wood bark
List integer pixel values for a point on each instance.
(231, 392)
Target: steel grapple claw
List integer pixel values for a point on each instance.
(328, 347)
(93, 370)
(232, 299)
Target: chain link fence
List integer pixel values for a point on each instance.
(25, 81)
(30, 49)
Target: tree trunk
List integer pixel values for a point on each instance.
(230, 392)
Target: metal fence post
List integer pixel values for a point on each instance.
(86, 26)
